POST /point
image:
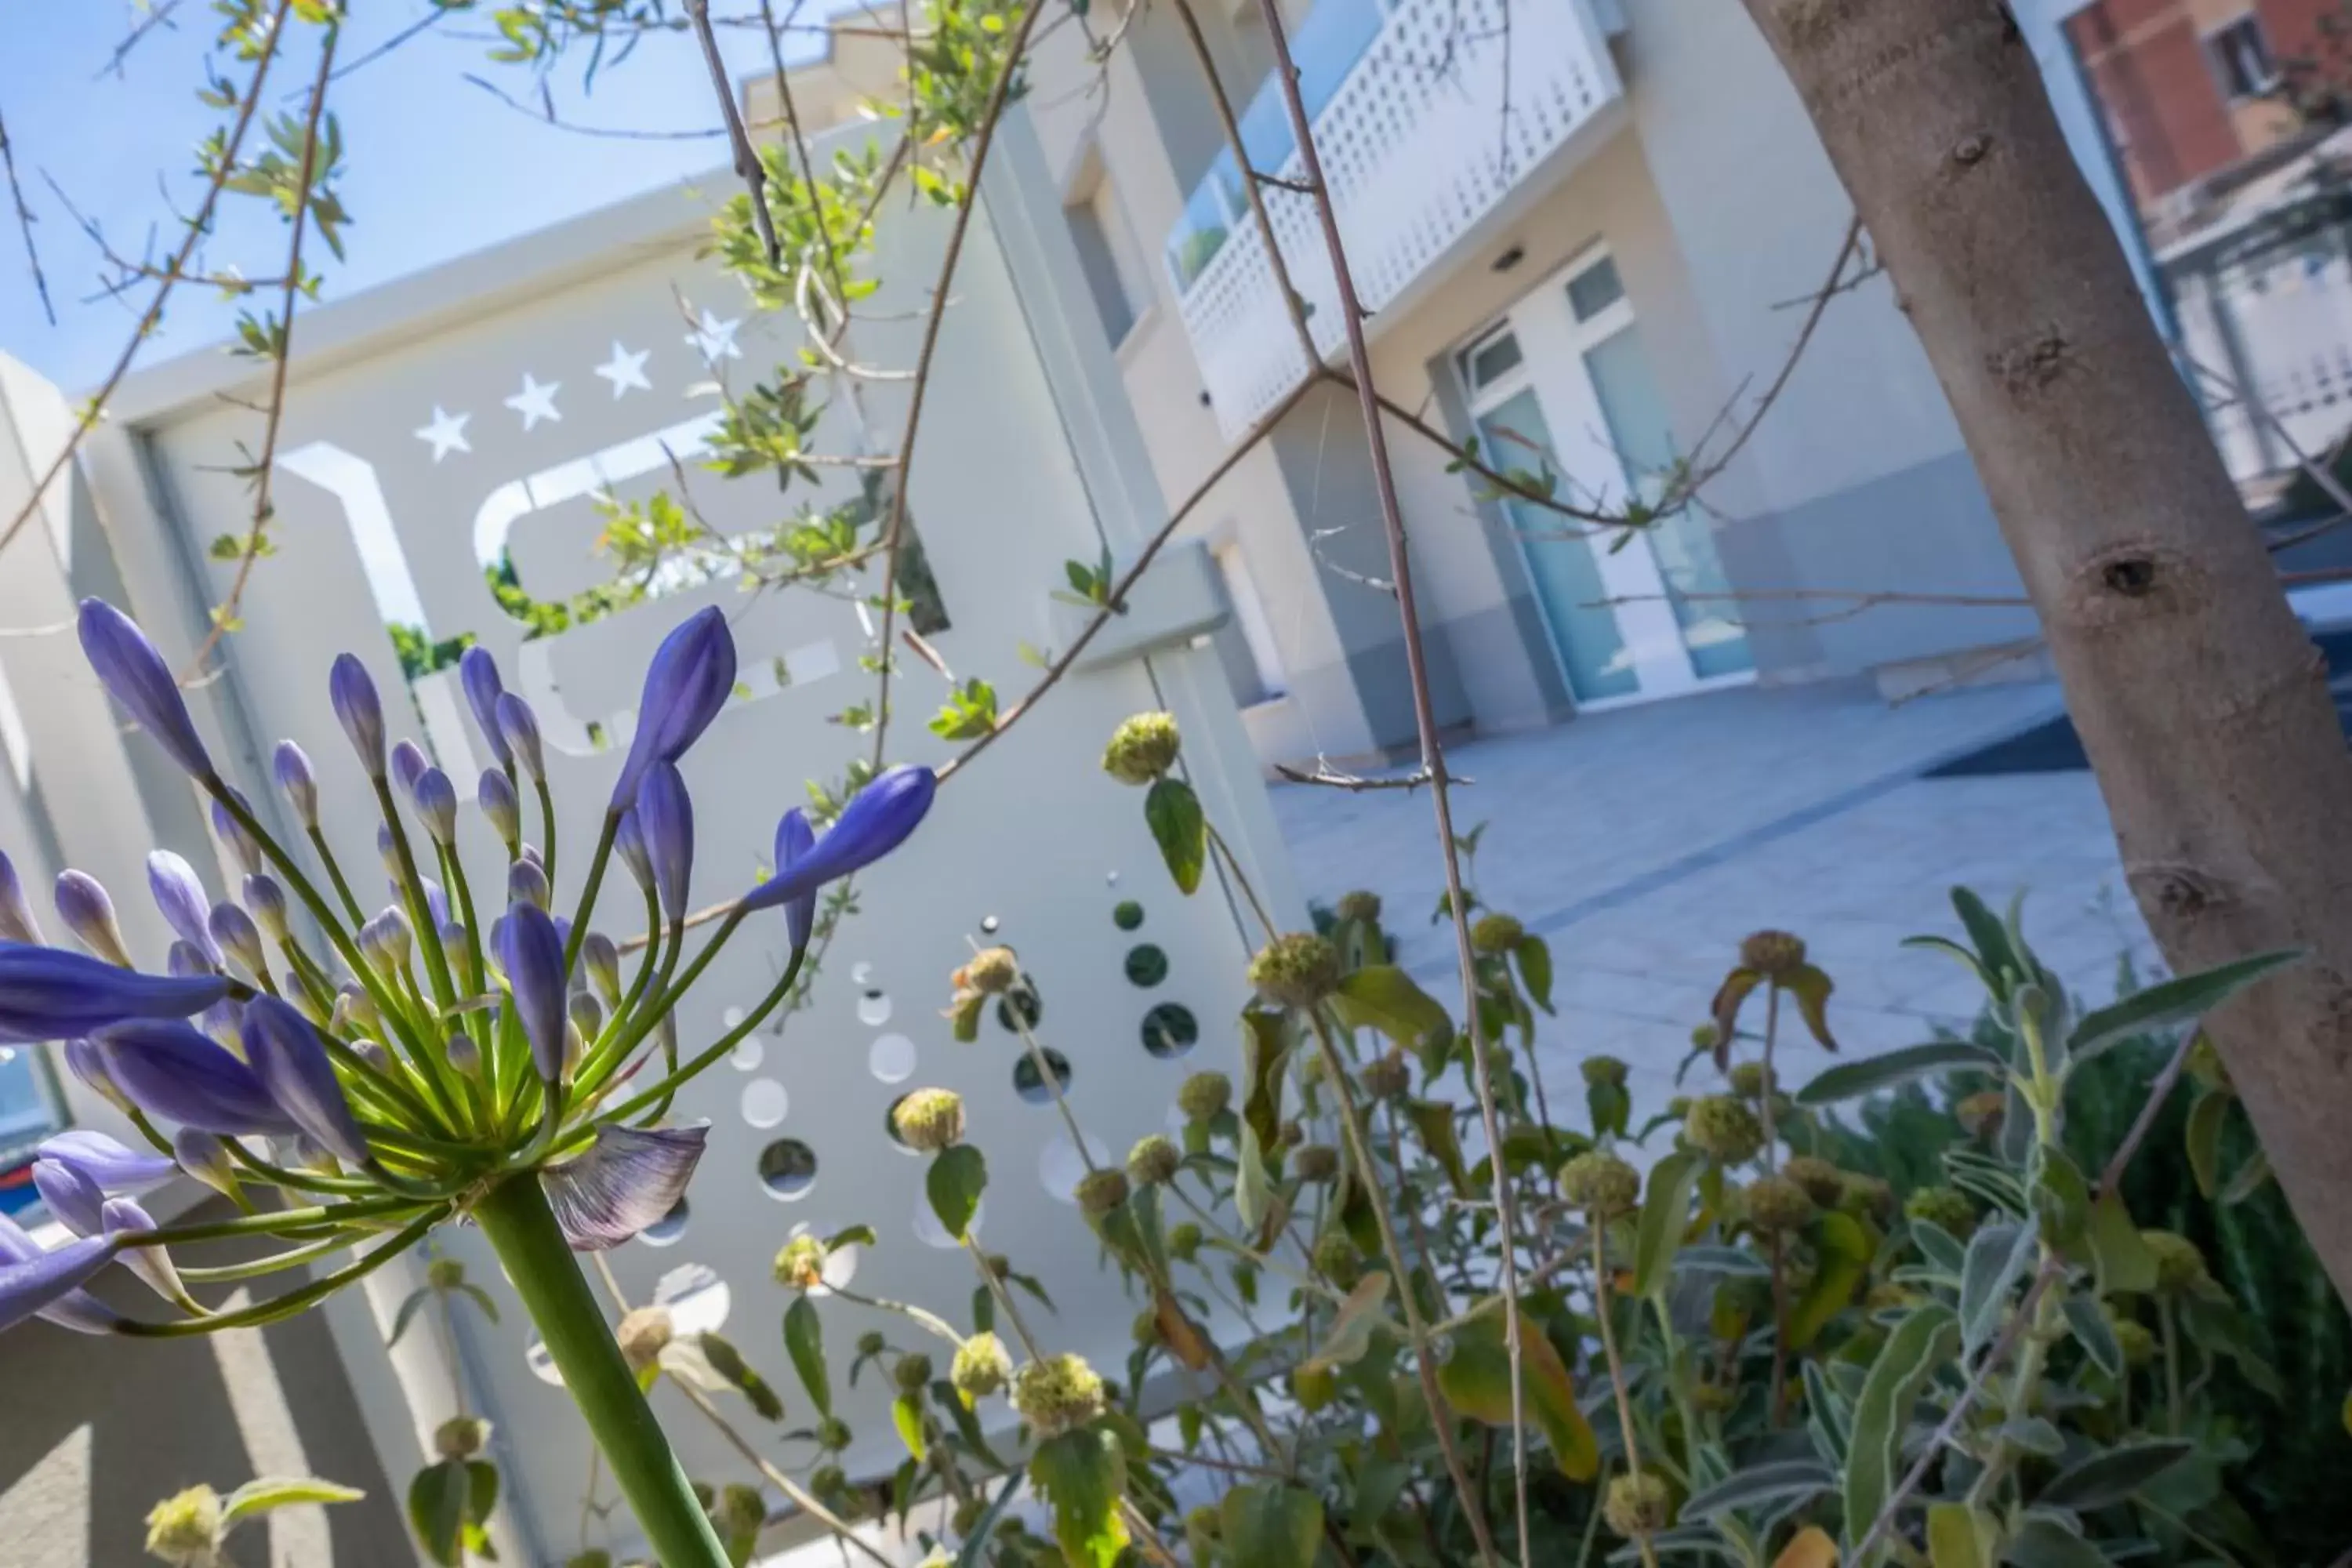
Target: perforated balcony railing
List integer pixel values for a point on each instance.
(1428, 114)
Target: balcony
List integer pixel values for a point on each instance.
(1406, 98)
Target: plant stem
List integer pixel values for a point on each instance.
(1617, 1377)
(521, 1227)
(2169, 1321)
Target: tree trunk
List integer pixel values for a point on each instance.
(2203, 706)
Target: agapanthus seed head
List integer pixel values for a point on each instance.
(1360, 906)
(992, 972)
(1315, 1162)
(519, 726)
(800, 1263)
(1154, 1161)
(351, 692)
(929, 1119)
(982, 1367)
(1297, 970)
(1205, 1095)
(1388, 1077)
(1496, 934)
(1637, 1506)
(184, 1530)
(1774, 954)
(264, 901)
(1777, 1204)
(1057, 1394)
(1601, 1184)
(912, 1373)
(1603, 1070)
(1100, 1192)
(1143, 747)
(1724, 1128)
(461, 1436)
(643, 1334)
(83, 905)
(290, 767)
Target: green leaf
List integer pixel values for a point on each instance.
(1769, 1488)
(1871, 1074)
(2246, 1179)
(805, 1341)
(907, 1416)
(1350, 1334)
(1997, 1256)
(1730, 1260)
(1725, 1009)
(1269, 1525)
(1265, 1045)
(1433, 1121)
(1384, 997)
(1252, 1190)
(728, 1363)
(2061, 1202)
(1082, 1475)
(1476, 1381)
(2105, 1478)
(2042, 1541)
(1959, 1536)
(2178, 1001)
(2220, 1328)
(481, 1299)
(436, 1509)
(1173, 813)
(1918, 1344)
(1665, 1212)
(1534, 969)
(2123, 1264)
(1990, 939)
(850, 1236)
(954, 1182)
(281, 1491)
(408, 1309)
(2202, 1140)
(1843, 1251)
(2094, 1335)
(1811, 988)
(974, 1551)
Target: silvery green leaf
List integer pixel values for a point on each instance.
(1870, 1074)
(1721, 1260)
(1998, 1256)
(1767, 1487)
(2180, 1000)
(2094, 1335)
(1942, 1249)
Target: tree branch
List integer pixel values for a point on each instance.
(25, 221)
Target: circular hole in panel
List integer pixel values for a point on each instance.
(698, 1298)
(541, 1362)
(1060, 1168)
(861, 973)
(788, 1169)
(873, 1007)
(1147, 965)
(1171, 1030)
(748, 1055)
(765, 1102)
(1030, 1084)
(731, 1018)
(1031, 1008)
(890, 1129)
(1111, 878)
(1127, 915)
(892, 1058)
(666, 1230)
(931, 1233)
(841, 1267)
(988, 924)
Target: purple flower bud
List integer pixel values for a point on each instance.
(602, 961)
(34, 1283)
(436, 805)
(408, 765)
(478, 673)
(531, 952)
(17, 922)
(291, 766)
(235, 934)
(795, 839)
(386, 941)
(130, 670)
(187, 910)
(519, 725)
(267, 901)
(84, 1062)
(876, 820)
(48, 993)
(359, 710)
(206, 1157)
(629, 844)
(123, 1217)
(388, 851)
(690, 678)
(665, 818)
(465, 1055)
(105, 1161)
(453, 939)
(354, 1007)
(526, 884)
(586, 1012)
(628, 1178)
(231, 832)
(291, 1062)
(74, 1200)
(82, 903)
(170, 1070)
(496, 796)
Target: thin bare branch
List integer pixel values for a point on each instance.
(747, 167)
(159, 16)
(25, 221)
(1329, 777)
(198, 226)
(611, 132)
(800, 155)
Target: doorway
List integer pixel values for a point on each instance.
(1561, 385)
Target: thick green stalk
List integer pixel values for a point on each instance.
(521, 1226)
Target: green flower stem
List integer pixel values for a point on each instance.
(669, 1035)
(335, 874)
(271, 1224)
(586, 909)
(1627, 1430)
(2169, 1321)
(645, 965)
(295, 1180)
(522, 1229)
(715, 1049)
(613, 1052)
(420, 913)
(293, 1302)
(222, 1273)
(547, 831)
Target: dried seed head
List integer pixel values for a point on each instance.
(643, 1335)
(982, 1367)
(1638, 1505)
(1724, 1128)
(1299, 970)
(1153, 1161)
(992, 972)
(1205, 1095)
(800, 1263)
(1496, 934)
(1601, 1184)
(1315, 1162)
(1057, 1394)
(1823, 1182)
(1100, 1192)
(1946, 1206)
(1142, 749)
(1388, 1077)
(461, 1436)
(1774, 954)
(1598, 1070)
(913, 1373)
(1777, 1204)
(1360, 906)
(929, 1119)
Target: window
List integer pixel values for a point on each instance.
(2242, 59)
(1245, 642)
(1490, 357)
(1595, 288)
(1107, 253)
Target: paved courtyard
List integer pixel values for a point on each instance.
(1642, 844)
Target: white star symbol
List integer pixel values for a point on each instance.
(448, 433)
(625, 370)
(716, 338)
(535, 402)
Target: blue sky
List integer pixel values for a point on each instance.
(435, 167)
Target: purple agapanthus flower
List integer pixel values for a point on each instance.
(690, 679)
(48, 993)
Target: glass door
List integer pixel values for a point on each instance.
(1561, 383)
